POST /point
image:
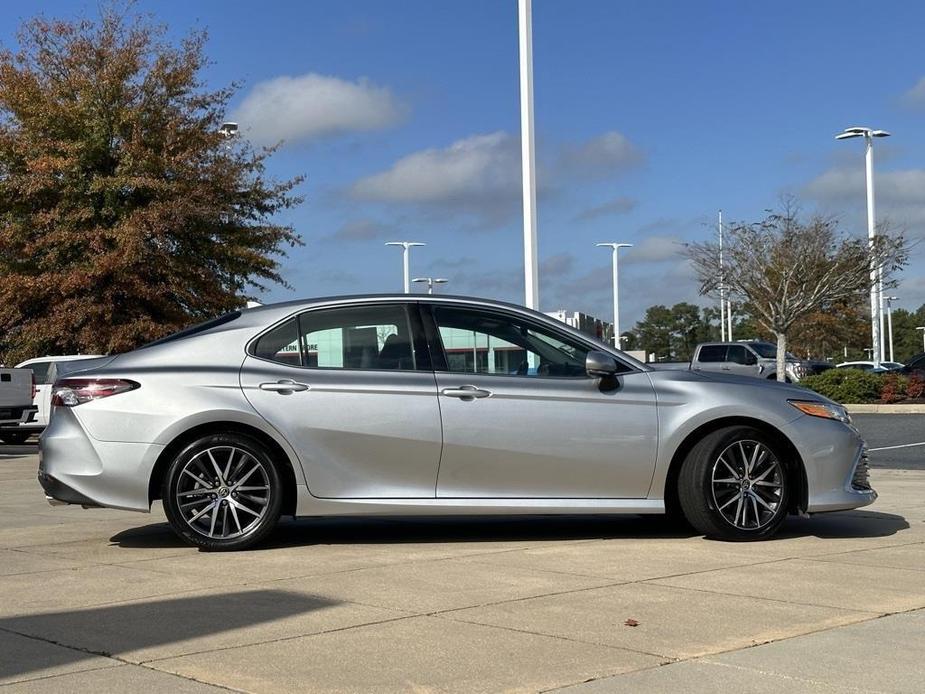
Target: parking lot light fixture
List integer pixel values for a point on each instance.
(406, 261)
(876, 273)
(889, 320)
(615, 247)
(431, 281)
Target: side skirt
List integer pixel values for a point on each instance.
(308, 505)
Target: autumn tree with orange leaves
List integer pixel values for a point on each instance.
(124, 212)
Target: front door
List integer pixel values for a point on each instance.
(350, 391)
(521, 418)
(741, 361)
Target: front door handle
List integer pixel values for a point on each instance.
(466, 393)
(284, 387)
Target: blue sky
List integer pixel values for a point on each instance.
(404, 116)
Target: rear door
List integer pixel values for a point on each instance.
(522, 419)
(352, 390)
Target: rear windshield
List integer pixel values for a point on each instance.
(196, 329)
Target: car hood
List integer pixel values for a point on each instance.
(788, 390)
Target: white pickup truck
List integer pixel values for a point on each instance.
(43, 373)
(17, 390)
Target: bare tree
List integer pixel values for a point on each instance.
(785, 269)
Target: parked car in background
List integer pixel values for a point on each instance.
(753, 358)
(434, 405)
(44, 372)
(916, 366)
(17, 390)
(884, 367)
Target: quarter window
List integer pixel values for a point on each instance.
(490, 343)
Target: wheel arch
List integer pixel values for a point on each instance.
(795, 467)
(282, 460)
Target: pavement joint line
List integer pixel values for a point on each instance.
(756, 597)
(583, 642)
(121, 662)
(706, 658)
(60, 674)
(281, 639)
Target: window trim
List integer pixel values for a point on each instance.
(441, 363)
(421, 359)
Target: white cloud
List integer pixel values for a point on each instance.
(361, 230)
(655, 249)
(311, 106)
(606, 155)
(619, 205)
(478, 175)
(915, 96)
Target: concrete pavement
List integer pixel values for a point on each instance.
(111, 601)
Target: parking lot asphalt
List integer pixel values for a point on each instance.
(108, 600)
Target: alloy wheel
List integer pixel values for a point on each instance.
(223, 492)
(748, 485)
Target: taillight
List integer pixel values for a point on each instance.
(33, 385)
(70, 392)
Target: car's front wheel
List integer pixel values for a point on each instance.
(734, 485)
(222, 492)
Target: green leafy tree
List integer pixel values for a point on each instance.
(124, 212)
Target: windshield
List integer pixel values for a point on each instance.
(767, 351)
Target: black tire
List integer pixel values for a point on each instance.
(197, 521)
(710, 487)
(15, 438)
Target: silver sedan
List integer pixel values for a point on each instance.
(393, 404)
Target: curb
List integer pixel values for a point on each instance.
(885, 409)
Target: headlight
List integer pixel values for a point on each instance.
(821, 409)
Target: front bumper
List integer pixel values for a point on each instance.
(75, 468)
(835, 460)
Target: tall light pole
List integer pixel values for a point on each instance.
(431, 281)
(406, 262)
(922, 328)
(615, 247)
(528, 153)
(889, 320)
(876, 271)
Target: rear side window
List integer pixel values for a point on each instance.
(712, 353)
(355, 337)
(281, 344)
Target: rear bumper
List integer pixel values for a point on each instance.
(58, 493)
(11, 417)
(75, 468)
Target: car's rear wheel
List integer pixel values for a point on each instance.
(734, 485)
(222, 492)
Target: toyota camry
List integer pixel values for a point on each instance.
(433, 405)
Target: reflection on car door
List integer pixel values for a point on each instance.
(521, 419)
(354, 395)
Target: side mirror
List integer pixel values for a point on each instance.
(600, 364)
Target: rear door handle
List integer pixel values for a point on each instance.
(284, 386)
(466, 393)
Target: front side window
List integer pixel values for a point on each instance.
(739, 355)
(712, 353)
(357, 337)
(491, 343)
